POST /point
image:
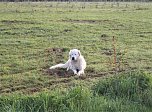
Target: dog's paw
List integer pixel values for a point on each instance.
(78, 73)
(75, 72)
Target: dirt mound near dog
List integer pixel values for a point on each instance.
(59, 72)
(63, 73)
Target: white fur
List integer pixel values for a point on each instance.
(76, 62)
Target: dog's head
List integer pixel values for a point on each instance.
(74, 54)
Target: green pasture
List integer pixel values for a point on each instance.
(115, 39)
(35, 36)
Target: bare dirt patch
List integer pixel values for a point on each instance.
(63, 73)
(59, 72)
(57, 55)
(17, 22)
(89, 21)
(65, 76)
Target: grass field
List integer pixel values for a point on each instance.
(34, 36)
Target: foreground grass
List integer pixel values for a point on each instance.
(34, 36)
(130, 92)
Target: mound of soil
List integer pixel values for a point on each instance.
(63, 73)
(59, 72)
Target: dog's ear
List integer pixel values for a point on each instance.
(79, 52)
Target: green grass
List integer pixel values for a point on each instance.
(82, 99)
(29, 32)
(131, 86)
(35, 36)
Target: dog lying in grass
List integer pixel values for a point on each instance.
(76, 62)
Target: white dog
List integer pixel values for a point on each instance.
(76, 62)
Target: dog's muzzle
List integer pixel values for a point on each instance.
(73, 58)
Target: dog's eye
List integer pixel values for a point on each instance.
(75, 54)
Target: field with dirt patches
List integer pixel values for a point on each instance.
(35, 36)
(114, 38)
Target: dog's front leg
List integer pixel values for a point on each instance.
(75, 71)
(80, 72)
